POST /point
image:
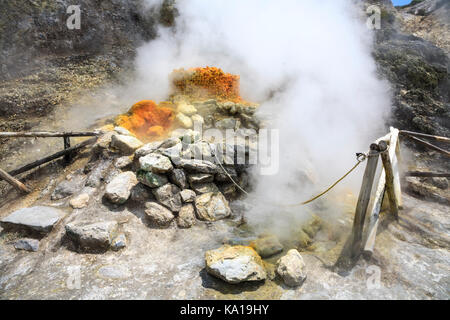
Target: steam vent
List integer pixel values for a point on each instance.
(224, 150)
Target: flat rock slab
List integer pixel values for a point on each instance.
(39, 218)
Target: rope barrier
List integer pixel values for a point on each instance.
(360, 157)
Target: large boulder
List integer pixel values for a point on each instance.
(40, 219)
(235, 264)
(90, 236)
(169, 196)
(291, 268)
(158, 214)
(119, 189)
(212, 206)
(125, 144)
(156, 163)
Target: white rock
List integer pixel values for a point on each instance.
(196, 118)
(235, 264)
(27, 244)
(188, 195)
(148, 148)
(156, 163)
(291, 268)
(125, 144)
(79, 201)
(123, 131)
(39, 218)
(119, 189)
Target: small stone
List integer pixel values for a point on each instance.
(184, 121)
(291, 268)
(200, 178)
(79, 201)
(158, 214)
(169, 196)
(190, 136)
(212, 206)
(123, 162)
(125, 144)
(267, 246)
(155, 163)
(235, 264)
(188, 195)
(92, 236)
(119, 242)
(150, 179)
(169, 143)
(148, 148)
(39, 218)
(178, 177)
(187, 109)
(119, 189)
(27, 244)
(186, 216)
(441, 183)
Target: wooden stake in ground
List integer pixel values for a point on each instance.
(390, 190)
(14, 182)
(363, 200)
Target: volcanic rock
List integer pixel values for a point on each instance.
(155, 163)
(200, 178)
(119, 189)
(148, 148)
(201, 188)
(212, 206)
(153, 180)
(267, 246)
(187, 109)
(186, 216)
(169, 196)
(221, 176)
(200, 166)
(39, 218)
(125, 144)
(178, 177)
(184, 120)
(79, 201)
(123, 162)
(235, 264)
(188, 195)
(92, 236)
(158, 214)
(27, 244)
(291, 268)
(141, 193)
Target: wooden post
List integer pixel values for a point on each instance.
(389, 174)
(68, 156)
(14, 182)
(423, 135)
(393, 144)
(363, 200)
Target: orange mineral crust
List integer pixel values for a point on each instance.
(147, 120)
(208, 82)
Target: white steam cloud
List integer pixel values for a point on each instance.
(308, 63)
